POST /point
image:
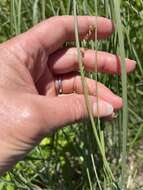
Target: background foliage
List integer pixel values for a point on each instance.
(70, 159)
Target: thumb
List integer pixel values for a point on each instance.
(66, 109)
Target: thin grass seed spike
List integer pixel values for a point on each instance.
(92, 30)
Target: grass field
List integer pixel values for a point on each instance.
(93, 154)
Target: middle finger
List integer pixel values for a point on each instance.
(66, 60)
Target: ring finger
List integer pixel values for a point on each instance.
(71, 83)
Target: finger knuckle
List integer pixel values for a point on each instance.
(79, 108)
(76, 83)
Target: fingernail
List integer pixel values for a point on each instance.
(116, 98)
(132, 64)
(135, 62)
(102, 109)
(109, 109)
(117, 102)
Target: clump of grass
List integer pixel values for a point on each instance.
(92, 154)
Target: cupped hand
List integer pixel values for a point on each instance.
(29, 65)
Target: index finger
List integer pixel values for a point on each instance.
(53, 32)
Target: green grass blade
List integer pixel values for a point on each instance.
(43, 9)
(35, 12)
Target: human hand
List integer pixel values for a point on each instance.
(29, 64)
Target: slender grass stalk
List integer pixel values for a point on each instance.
(19, 17)
(106, 2)
(43, 9)
(69, 6)
(95, 171)
(16, 6)
(85, 90)
(52, 8)
(35, 12)
(13, 17)
(62, 6)
(138, 134)
(89, 179)
(85, 7)
(101, 136)
(138, 60)
(95, 47)
(124, 91)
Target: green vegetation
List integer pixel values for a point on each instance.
(93, 154)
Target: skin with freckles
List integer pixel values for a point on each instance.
(29, 65)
